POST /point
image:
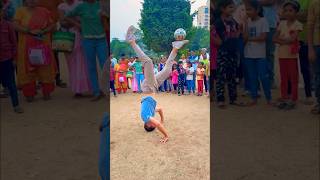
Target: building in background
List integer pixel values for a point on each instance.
(203, 16)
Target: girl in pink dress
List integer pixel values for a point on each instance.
(134, 83)
(78, 73)
(174, 80)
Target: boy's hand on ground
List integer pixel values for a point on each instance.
(164, 140)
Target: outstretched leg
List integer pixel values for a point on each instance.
(149, 84)
(166, 71)
(152, 82)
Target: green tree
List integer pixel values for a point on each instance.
(159, 20)
(120, 47)
(199, 38)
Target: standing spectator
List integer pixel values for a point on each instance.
(287, 38)
(139, 72)
(93, 39)
(190, 81)
(227, 61)
(205, 62)
(305, 67)
(255, 35)
(76, 60)
(200, 75)
(8, 50)
(34, 25)
(111, 79)
(52, 6)
(194, 59)
(181, 78)
(314, 46)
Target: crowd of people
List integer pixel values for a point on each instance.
(250, 37)
(190, 74)
(27, 36)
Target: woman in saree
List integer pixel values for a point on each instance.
(52, 6)
(121, 69)
(34, 25)
(77, 66)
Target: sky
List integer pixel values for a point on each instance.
(124, 13)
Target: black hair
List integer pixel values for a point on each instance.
(257, 6)
(174, 66)
(148, 128)
(221, 4)
(295, 4)
(202, 63)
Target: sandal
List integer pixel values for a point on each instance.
(290, 106)
(282, 105)
(61, 84)
(251, 104)
(316, 110)
(221, 105)
(240, 104)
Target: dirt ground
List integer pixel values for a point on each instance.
(264, 143)
(138, 155)
(52, 140)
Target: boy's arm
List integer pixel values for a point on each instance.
(160, 111)
(161, 128)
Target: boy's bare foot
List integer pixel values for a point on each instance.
(179, 44)
(164, 140)
(130, 37)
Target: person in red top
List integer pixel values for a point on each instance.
(8, 51)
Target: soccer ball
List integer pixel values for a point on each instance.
(180, 34)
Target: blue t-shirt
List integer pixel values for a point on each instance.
(148, 108)
(193, 60)
(270, 13)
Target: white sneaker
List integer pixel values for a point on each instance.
(130, 34)
(179, 44)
